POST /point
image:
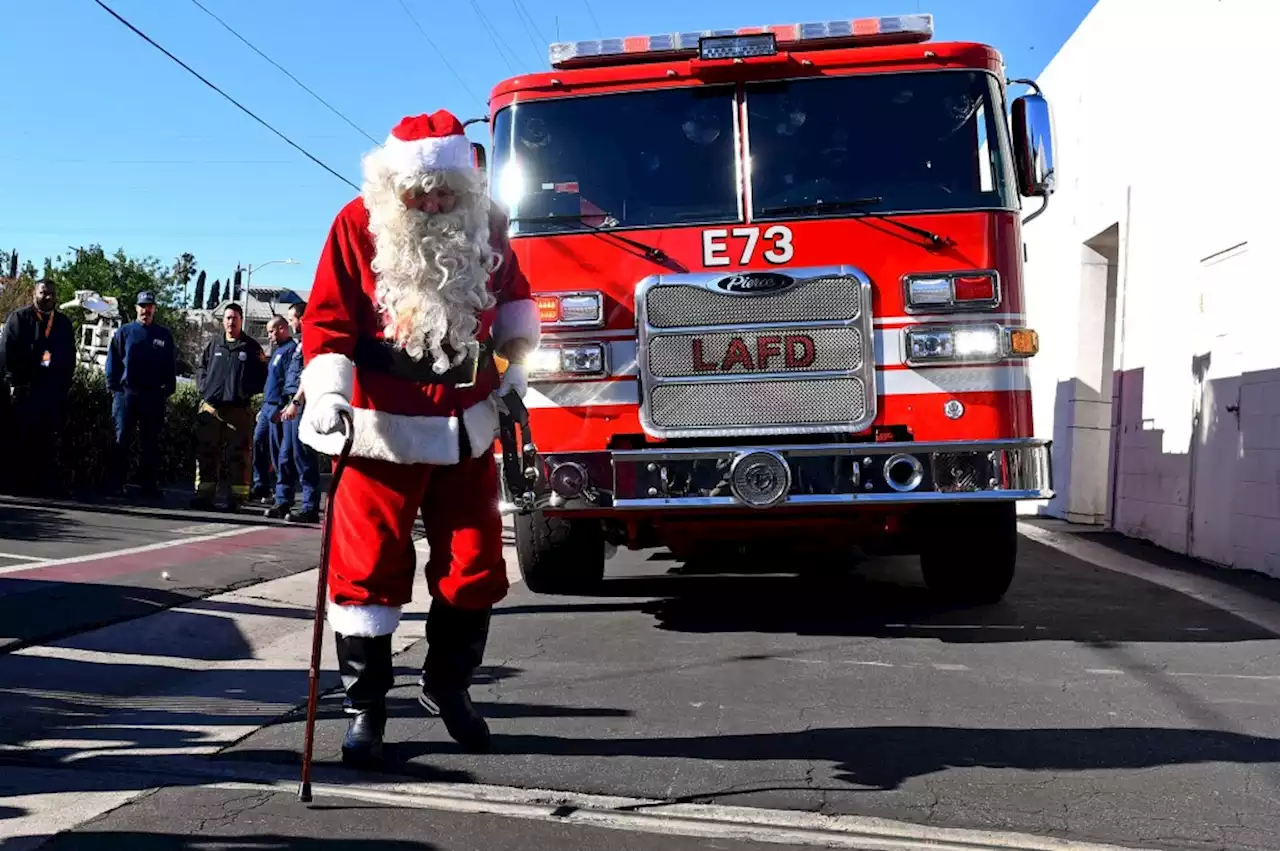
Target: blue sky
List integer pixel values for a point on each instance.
(107, 140)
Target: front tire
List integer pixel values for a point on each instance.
(971, 553)
(559, 556)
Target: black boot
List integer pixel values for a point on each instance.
(367, 676)
(456, 641)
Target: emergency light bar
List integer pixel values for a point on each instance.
(735, 44)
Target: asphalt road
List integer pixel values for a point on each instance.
(1089, 705)
(229, 820)
(66, 568)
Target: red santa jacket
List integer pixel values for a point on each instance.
(396, 419)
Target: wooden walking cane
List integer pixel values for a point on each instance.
(317, 637)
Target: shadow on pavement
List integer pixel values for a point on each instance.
(1267, 587)
(65, 710)
(883, 758)
(39, 611)
(1055, 597)
(23, 523)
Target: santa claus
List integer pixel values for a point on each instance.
(416, 293)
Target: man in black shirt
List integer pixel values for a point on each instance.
(233, 369)
(38, 362)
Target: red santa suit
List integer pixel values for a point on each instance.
(418, 448)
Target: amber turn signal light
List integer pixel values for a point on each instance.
(1023, 342)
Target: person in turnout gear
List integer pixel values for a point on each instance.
(233, 369)
(417, 291)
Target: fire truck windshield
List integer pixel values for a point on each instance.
(879, 143)
(648, 158)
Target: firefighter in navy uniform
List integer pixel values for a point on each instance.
(297, 464)
(233, 369)
(268, 429)
(142, 373)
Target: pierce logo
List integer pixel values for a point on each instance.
(755, 283)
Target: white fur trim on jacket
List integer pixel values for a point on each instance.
(404, 439)
(517, 320)
(363, 621)
(329, 372)
(451, 153)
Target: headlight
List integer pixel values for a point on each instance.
(577, 360)
(927, 344)
(571, 310)
(544, 361)
(936, 344)
(980, 343)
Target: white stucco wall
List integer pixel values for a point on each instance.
(1157, 250)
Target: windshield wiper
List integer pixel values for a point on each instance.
(650, 252)
(852, 204)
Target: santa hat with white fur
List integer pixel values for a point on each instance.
(428, 143)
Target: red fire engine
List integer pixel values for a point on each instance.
(780, 276)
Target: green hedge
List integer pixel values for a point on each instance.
(87, 438)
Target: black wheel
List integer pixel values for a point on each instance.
(559, 556)
(970, 555)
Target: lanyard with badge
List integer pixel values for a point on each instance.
(48, 329)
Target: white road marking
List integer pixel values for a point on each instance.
(129, 551)
(201, 529)
(1263, 677)
(710, 821)
(1194, 675)
(17, 557)
(945, 666)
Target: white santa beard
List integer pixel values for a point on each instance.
(433, 273)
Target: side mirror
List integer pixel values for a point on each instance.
(478, 157)
(1033, 146)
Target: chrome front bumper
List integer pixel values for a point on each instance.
(765, 477)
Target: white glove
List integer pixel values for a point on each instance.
(321, 427)
(515, 378)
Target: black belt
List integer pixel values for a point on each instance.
(381, 356)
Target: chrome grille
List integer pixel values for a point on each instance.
(688, 323)
(758, 403)
(835, 350)
(817, 299)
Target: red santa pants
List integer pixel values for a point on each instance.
(372, 557)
